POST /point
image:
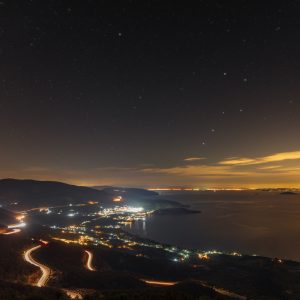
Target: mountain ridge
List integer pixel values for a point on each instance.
(29, 192)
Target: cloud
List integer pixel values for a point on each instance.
(276, 170)
(194, 158)
(244, 161)
(197, 170)
(238, 161)
(269, 167)
(236, 171)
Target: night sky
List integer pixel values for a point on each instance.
(151, 93)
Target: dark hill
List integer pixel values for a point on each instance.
(18, 291)
(31, 193)
(288, 193)
(7, 217)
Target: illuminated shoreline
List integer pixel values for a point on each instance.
(277, 189)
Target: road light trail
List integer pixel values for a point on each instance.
(229, 294)
(89, 263)
(222, 291)
(89, 266)
(12, 231)
(44, 269)
(160, 283)
(46, 273)
(217, 290)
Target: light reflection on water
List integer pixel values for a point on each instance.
(249, 222)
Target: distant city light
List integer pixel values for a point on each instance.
(118, 199)
(135, 209)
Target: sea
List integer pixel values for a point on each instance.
(249, 222)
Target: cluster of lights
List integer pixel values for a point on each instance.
(118, 199)
(199, 189)
(82, 240)
(111, 235)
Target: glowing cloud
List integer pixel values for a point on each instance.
(194, 158)
(198, 170)
(235, 171)
(294, 155)
(276, 170)
(269, 167)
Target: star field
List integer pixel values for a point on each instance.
(90, 89)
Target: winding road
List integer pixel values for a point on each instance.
(89, 264)
(44, 269)
(217, 290)
(46, 272)
(160, 283)
(13, 231)
(221, 291)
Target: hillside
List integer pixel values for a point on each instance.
(7, 217)
(31, 193)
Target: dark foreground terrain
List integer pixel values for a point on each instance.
(91, 257)
(120, 275)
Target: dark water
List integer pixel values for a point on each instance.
(249, 222)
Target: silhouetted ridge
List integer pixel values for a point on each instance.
(30, 193)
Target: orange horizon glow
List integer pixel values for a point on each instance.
(275, 170)
(250, 188)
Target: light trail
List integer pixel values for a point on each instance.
(89, 264)
(217, 290)
(222, 291)
(13, 231)
(229, 294)
(44, 269)
(73, 294)
(160, 283)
